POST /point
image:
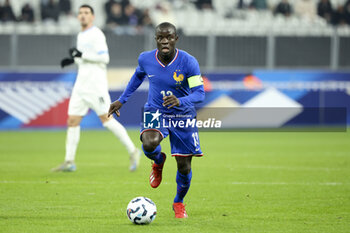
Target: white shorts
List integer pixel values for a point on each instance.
(79, 104)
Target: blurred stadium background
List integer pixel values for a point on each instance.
(293, 57)
(245, 49)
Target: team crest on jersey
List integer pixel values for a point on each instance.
(178, 78)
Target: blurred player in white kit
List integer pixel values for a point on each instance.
(91, 90)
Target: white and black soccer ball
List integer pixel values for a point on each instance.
(141, 210)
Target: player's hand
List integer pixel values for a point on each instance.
(74, 52)
(114, 108)
(66, 62)
(171, 100)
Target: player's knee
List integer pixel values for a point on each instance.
(150, 140)
(186, 169)
(150, 144)
(104, 118)
(73, 122)
(184, 166)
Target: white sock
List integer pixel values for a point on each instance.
(119, 131)
(72, 140)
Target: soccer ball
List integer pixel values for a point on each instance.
(141, 210)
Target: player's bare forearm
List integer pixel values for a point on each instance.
(171, 101)
(114, 108)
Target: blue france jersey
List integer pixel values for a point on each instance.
(181, 78)
(167, 80)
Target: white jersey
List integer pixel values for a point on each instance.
(92, 74)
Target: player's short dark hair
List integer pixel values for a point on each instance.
(166, 25)
(87, 6)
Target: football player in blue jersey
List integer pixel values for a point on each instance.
(175, 86)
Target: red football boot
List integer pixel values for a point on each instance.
(179, 209)
(156, 173)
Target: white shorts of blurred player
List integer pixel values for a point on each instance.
(80, 103)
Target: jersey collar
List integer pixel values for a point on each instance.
(86, 30)
(160, 63)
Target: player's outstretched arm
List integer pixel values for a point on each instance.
(135, 81)
(114, 108)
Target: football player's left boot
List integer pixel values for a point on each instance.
(67, 166)
(135, 160)
(179, 209)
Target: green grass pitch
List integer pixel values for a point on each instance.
(246, 182)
